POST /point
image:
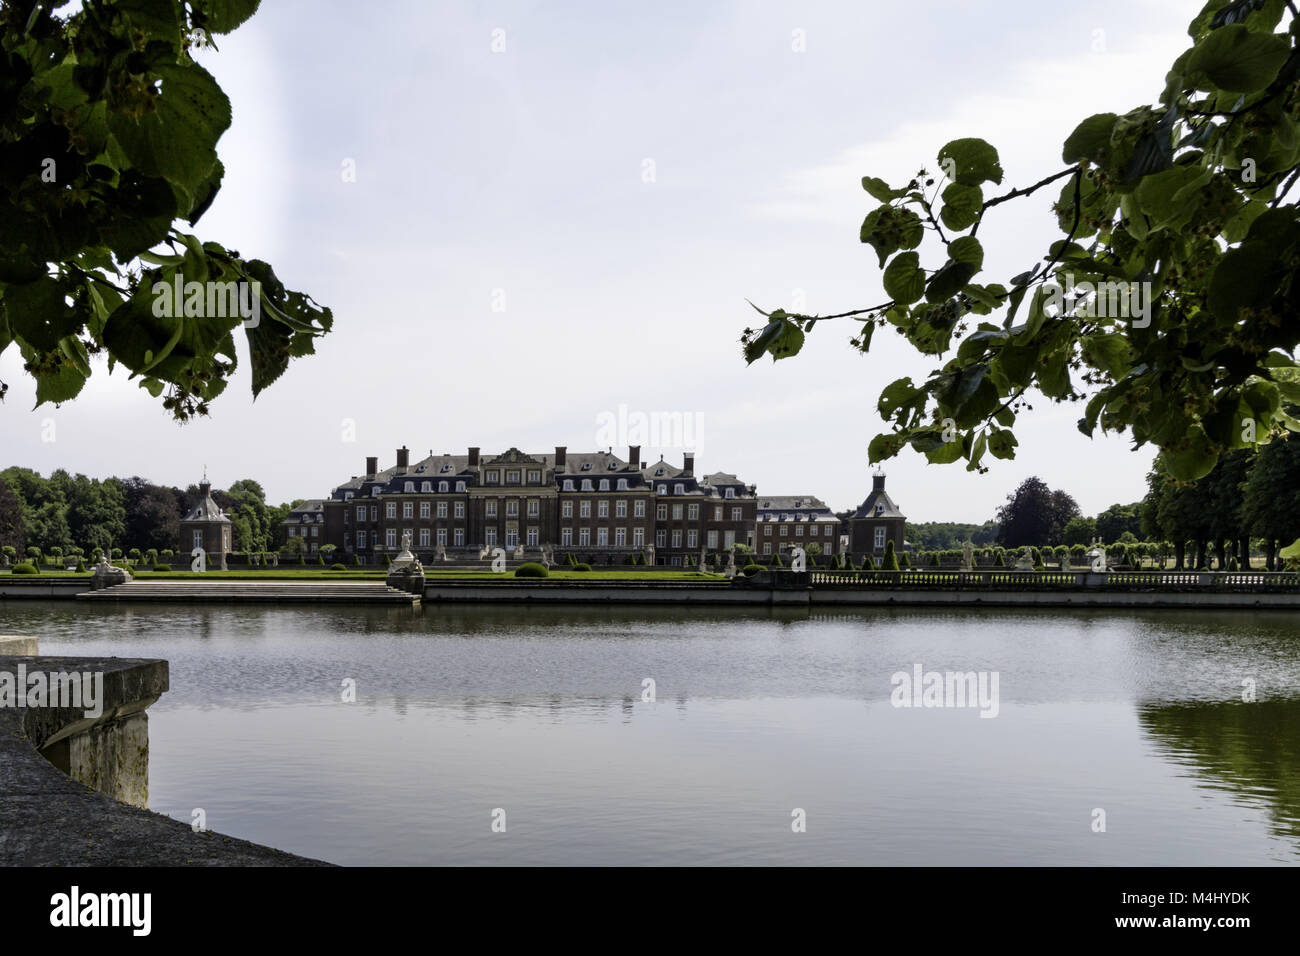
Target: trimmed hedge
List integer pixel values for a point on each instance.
(531, 569)
(25, 568)
(162, 567)
(338, 567)
(582, 567)
(750, 570)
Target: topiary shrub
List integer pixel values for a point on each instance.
(531, 569)
(81, 564)
(387, 560)
(24, 568)
(750, 570)
(356, 560)
(890, 562)
(867, 563)
(162, 568)
(581, 567)
(338, 567)
(934, 559)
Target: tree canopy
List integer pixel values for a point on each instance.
(108, 138)
(1035, 515)
(1167, 301)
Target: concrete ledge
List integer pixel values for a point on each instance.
(52, 818)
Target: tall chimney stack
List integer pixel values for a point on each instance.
(634, 456)
(473, 457)
(877, 482)
(372, 467)
(688, 465)
(403, 458)
(560, 453)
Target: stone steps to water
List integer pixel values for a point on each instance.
(266, 592)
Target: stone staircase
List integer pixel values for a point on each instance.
(253, 592)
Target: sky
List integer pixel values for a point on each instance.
(532, 220)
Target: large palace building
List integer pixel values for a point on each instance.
(597, 506)
(593, 504)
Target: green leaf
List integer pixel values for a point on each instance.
(1109, 351)
(1238, 59)
(904, 280)
(1002, 444)
(1090, 139)
(973, 161)
(961, 206)
(885, 446)
(879, 189)
(1192, 458)
(38, 314)
(950, 280)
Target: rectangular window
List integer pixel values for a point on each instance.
(424, 509)
(390, 537)
(374, 512)
(315, 532)
(490, 508)
(767, 547)
(408, 509)
(602, 537)
(798, 531)
(534, 477)
(880, 539)
(717, 512)
(661, 512)
(490, 537)
(532, 537)
(638, 537)
(785, 530)
(512, 508)
(602, 509)
(692, 539)
(361, 513)
(620, 508)
(566, 509)
(458, 536)
(361, 539)
(512, 477)
(677, 512)
(729, 539)
(390, 509)
(735, 514)
(566, 536)
(712, 539)
(584, 536)
(293, 532)
(493, 477)
(442, 509)
(677, 538)
(534, 508)
(638, 509)
(442, 537)
(584, 509)
(512, 537)
(198, 540)
(459, 509)
(661, 538)
(693, 512)
(620, 537)
(767, 531)
(424, 537)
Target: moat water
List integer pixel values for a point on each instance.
(1116, 737)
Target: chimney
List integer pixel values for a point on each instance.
(205, 488)
(372, 467)
(473, 457)
(877, 483)
(634, 455)
(560, 452)
(403, 458)
(688, 465)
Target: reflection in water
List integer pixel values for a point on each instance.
(1251, 750)
(460, 709)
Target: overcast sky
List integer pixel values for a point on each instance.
(539, 234)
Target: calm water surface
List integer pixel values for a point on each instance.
(539, 712)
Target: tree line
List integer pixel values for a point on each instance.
(74, 515)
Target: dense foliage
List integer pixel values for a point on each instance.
(108, 138)
(1176, 213)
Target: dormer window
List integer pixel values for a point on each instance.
(679, 489)
(374, 492)
(409, 487)
(622, 484)
(880, 510)
(419, 469)
(658, 472)
(663, 489)
(460, 486)
(586, 466)
(729, 493)
(446, 467)
(604, 484)
(568, 484)
(442, 487)
(493, 477)
(512, 477)
(612, 466)
(534, 477)
(586, 484)
(347, 496)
